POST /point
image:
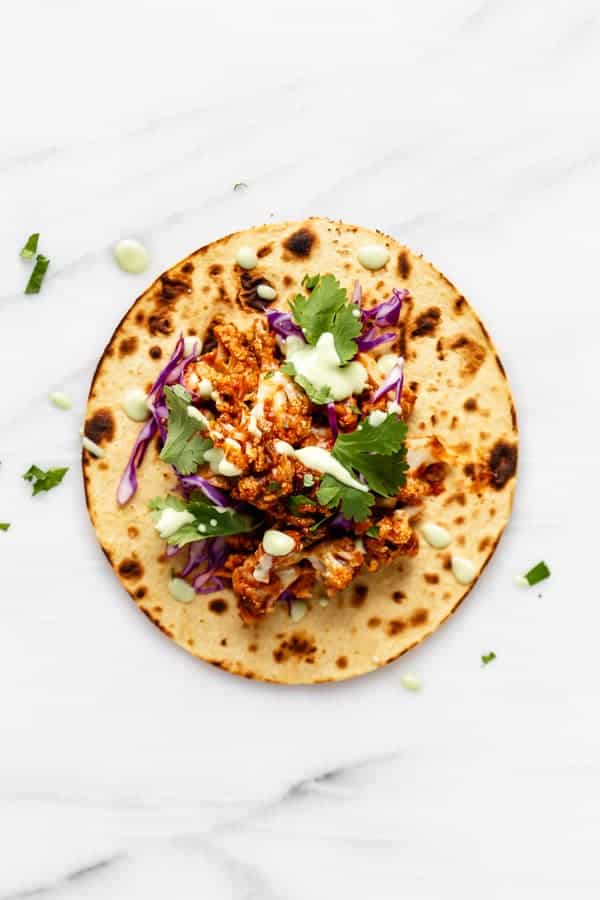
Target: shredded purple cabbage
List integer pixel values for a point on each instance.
(207, 582)
(163, 378)
(171, 373)
(288, 597)
(190, 482)
(394, 380)
(128, 483)
(373, 338)
(333, 422)
(197, 554)
(172, 550)
(388, 312)
(342, 522)
(282, 323)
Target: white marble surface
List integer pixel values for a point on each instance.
(469, 129)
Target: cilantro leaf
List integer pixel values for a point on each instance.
(318, 395)
(378, 452)
(298, 502)
(354, 504)
(209, 521)
(37, 276)
(30, 248)
(372, 532)
(44, 480)
(273, 485)
(327, 309)
(488, 657)
(183, 448)
(346, 327)
(4, 526)
(310, 282)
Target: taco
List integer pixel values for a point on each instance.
(309, 451)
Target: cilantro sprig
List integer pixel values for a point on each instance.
(44, 480)
(183, 448)
(209, 520)
(375, 452)
(327, 309)
(488, 657)
(4, 526)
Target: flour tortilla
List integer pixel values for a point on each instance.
(463, 397)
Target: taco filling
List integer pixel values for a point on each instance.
(288, 440)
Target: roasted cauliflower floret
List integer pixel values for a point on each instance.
(336, 563)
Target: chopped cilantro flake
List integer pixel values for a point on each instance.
(488, 657)
(537, 574)
(4, 526)
(30, 248)
(274, 485)
(298, 503)
(37, 276)
(373, 531)
(44, 480)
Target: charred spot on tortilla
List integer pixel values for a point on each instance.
(431, 577)
(398, 596)
(472, 355)
(287, 281)
(252, 648)
(264, 250)
(132, 531)
(187, 268)
(484, 543)
(470, 404)
(131, 569)
(404, 266)
(158, 324)
(141, 592)
(301, 242)
(139, 317)
(459, 305)
(300, 644)
(502, 463)
(359, 595)
(426, 322)
(215, 269)
(420, 616)
(395, 626)
(155, 352)
(128, 346)
(218, 606)
(101, 427)
(500, 366)
(248, 295)
(171, 288)
(374, 622)
(342, 662)
(513, 416)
